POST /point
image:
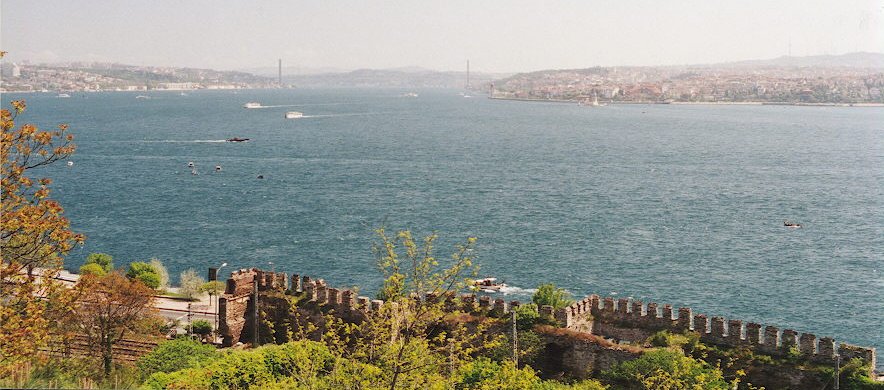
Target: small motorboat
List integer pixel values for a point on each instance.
(217, 168)
(252, 105)
(190, 164)
(488, 284)
(294, 115)
(237, 139)
(791, 225)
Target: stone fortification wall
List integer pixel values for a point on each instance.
(619, 319)
(236, 306)
(626, 319)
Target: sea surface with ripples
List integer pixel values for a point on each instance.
(667, 203)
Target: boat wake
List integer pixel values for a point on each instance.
(513, 290)
(194, 141)
(350, 114)
(303, 105)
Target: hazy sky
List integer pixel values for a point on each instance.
(494, 35)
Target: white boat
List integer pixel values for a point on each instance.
(294, 115)
(252, 105)
(63, 95)
(409, 94)
(142, 97)
(488, 284)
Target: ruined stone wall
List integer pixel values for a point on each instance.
(619, 319)
(236, 318)
(626, 319)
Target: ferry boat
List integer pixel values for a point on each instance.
(294, 115)
(252, 105)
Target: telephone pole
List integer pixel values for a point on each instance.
(515, 340)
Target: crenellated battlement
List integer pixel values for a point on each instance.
(619, 319)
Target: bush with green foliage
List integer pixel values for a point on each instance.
(666, 369)
(145, 273)
(103, 260)
(687, 342)
(309, 364)
(175, 355)
(549, 294)
(201, 327)
(92, 269)
(855, 375)
(484, 373)
(526, 316)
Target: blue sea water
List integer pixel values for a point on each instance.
(673, 204)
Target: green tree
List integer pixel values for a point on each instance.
(213, 288)
(406, 331)
(174, 355)
(103, 260)
(145, 273)
(162, 272)
(666, 369)
(548, 294)
(190, 282)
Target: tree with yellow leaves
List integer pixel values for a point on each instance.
(34, 234)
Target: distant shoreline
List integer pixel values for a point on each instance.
(749, 103)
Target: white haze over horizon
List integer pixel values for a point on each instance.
(495, 35)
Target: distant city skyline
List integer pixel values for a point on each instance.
(496, 36)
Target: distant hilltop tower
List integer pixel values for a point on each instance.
(279, 80)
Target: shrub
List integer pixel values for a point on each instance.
(201, 327)
(855, 375)
(526, 316)
(103, 260)
(666, 369)
(92, 269)
(484, 373)
(174, 355)
(549, 294)
(145, 273)
(686, 342)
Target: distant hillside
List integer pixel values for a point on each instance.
(87, 76)
(855, 78)
(849, 60)
(409, 77)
